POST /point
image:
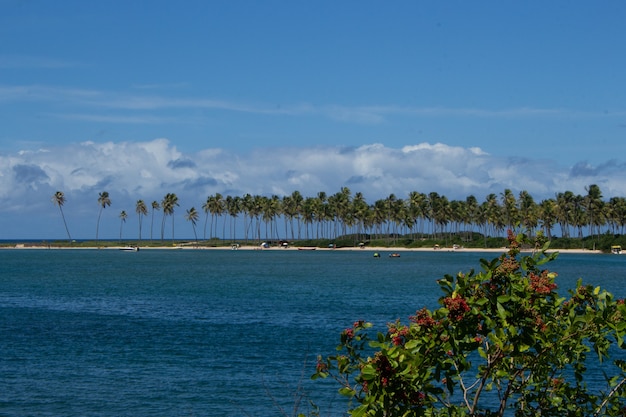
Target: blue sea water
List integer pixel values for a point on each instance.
(207, 333)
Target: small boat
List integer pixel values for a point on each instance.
(616, 249)
(130, 248)
(307, 248)
(394, 255)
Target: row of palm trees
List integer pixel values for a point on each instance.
(328, 216)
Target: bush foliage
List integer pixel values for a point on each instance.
(502, 342)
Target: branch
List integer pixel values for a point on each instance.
(490, 365)
(606, 400)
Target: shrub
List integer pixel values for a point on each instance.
(502, 342)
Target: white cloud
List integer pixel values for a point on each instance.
(148, 170)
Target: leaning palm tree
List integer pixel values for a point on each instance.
(59, 199)
(103, 201)
(192, 216)
(141, 210)
(123, 217)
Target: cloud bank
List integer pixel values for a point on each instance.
(130, 171)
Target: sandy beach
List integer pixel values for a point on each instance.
(380, 249)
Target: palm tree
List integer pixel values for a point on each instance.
(141, 210)
(103, 201)
(206, 208)
(379, 216)
(246, 207)
(170, 201)
(509, 208)
(275, 210)
(297, 200)
(232, 206)
(256, 210)
(472, 208)
(593, 205)
(123, 217)
(59, 199)
(360, 211)
(494, 214)
(564, 211)
(528, 211)
(192, 216)
(322, 214)
(442, 213)
(618, 213)
(215, 206)
(547, 216)
(155, 207)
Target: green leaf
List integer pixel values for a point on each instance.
(368, 372)
(502, 313)
(411, 344)
(504, 298)
(347, 391)
(482, 353)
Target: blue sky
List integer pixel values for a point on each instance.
(143, 98)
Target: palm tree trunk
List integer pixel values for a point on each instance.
(65, 224)
(98, 224)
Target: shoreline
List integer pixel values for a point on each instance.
(380, 249)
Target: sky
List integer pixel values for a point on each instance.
(144, 98)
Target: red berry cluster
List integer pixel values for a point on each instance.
(321, 366)
(423, 319)
(542, 284)
(457, 307)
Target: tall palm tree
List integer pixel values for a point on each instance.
(216, 206)
(341, 204)
(192, 216)
(360, 210)
(618, 213)
(528, 211)
(379, 215)
(418, 209)
(494, 213)
(564, 211)
(441, 213)
(170, 201)
(472, 208)
(141, 210)
(232, 206)
(123, 217)
(103, 201)
(155, 207)
(270, 209)
(323, 215)
(247, 203)
(206, 207)
(289, 212)
(593, 205)
(547, 216)
(509, 209)
(59, 199)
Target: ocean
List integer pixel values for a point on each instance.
(208, 332)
